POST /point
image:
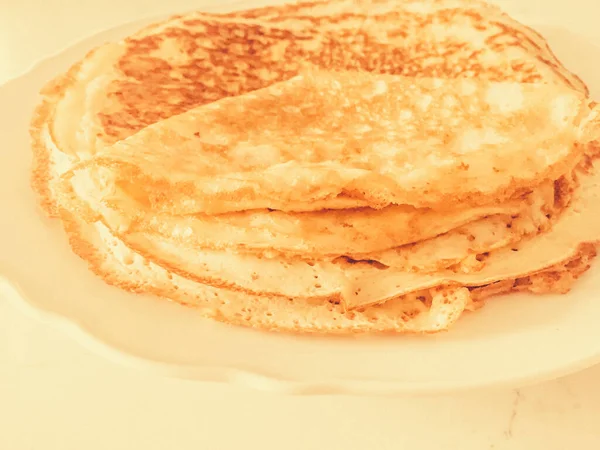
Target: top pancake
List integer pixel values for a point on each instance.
(376, 139)
(187, 61)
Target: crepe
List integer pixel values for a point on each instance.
(118, 265)
(145, 164)
(377, 139)
(356, 233)
(362, 283)
(173, 66)
(359, 234)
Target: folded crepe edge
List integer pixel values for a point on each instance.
(262, 312)
(343, 295)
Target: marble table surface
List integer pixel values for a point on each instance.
(56, 395)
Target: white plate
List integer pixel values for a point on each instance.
(513, 340)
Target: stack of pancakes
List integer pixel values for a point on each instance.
(342, 166)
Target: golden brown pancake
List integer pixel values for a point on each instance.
(363, 283)
(187, 61)
(375, 139)
(118, 265)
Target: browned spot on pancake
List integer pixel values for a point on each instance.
(204, 59)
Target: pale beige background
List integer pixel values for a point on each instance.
(55, 395)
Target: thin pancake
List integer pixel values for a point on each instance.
(173, 66)
(379, 139)
(118, 265)
(316, 234)
(359, 284)
(360, 234)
